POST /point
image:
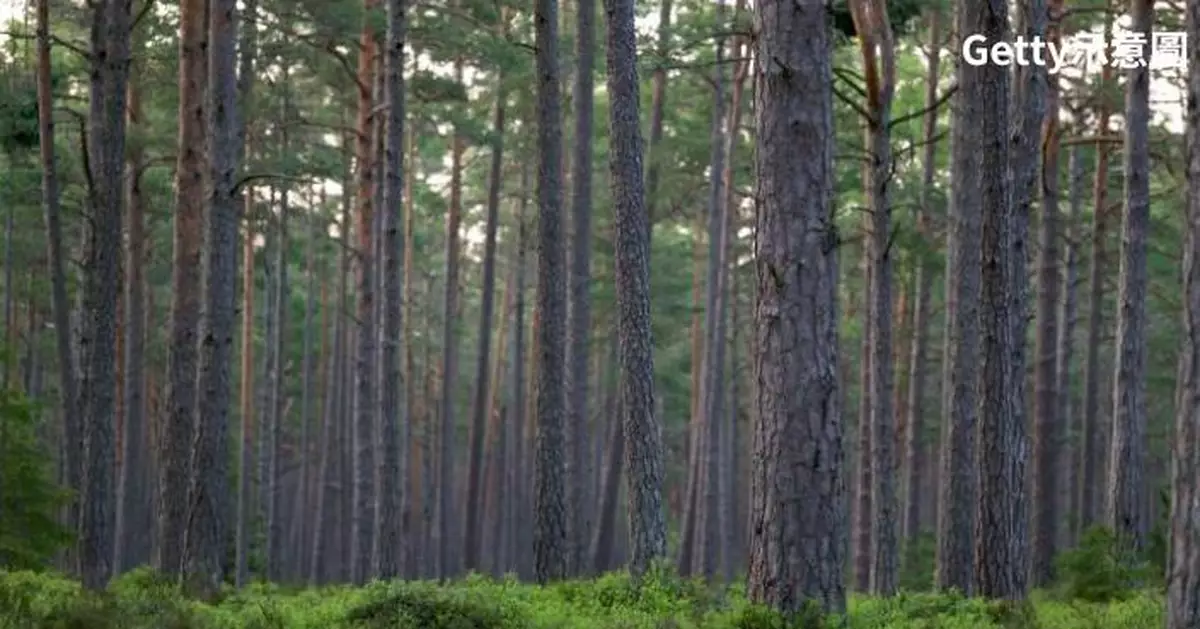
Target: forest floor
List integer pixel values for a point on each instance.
(139, 601)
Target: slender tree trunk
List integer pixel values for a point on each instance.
(208, 519)
(1065, 351)
(915, 464)
(446, 521)
(1094, 452)
(958, 488)
(1047, 512)
(185, 285)
(1127, 487)
(133, 516)
(474, 512)
(246, 461)
(59, 301)
(579, 307)
(1183, 556)
(644, 453)
(391, 474)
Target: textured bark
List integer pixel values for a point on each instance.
(475, 511)
(550, 543)
(915, 464)
(956, 505)
(1065, 352)
(1127, 487)
(134, 525)
(1183, 557)
(798, 518)
(1001, 554)
(643, 435)
(579, 306)
(446, 531)
(1046, 500)
(110, 60)
(1094, 454)
(59, 301)
(186, 268)
(208, 518)
(363, 516)
(391, 476)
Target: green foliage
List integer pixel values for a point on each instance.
(142, 600)
(29, 498)
(1101, 569)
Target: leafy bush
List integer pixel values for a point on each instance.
(1101, 569)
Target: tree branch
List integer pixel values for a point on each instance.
(924, 110)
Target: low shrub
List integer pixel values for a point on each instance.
(141, 600)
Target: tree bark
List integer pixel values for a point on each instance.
(1127, 487)
(797, 496)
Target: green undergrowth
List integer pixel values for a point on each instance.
(139, 600)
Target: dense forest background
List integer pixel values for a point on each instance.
(314, 293)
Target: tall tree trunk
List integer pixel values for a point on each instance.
(474, 512)
(728, 519)
(331, 486)
(279, 365)
(1183, 557)
(133, 495)
(579, 307)
(1001, 555)
(861, 525)
(1127, 487)
(110, 59)
(246, 469)
(704, 457)
(247, 53)
(208, 519)
(391, 474)
(59, 301)
(364, 373)
(956, 505)
(1047, 423)
(446, 521)
(798, 454)
(550, 543)
(1065, 350)
(880, 81)
(185, 285)
(915, 464)
(1094, 452)
(520, 483)
(643, 441)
